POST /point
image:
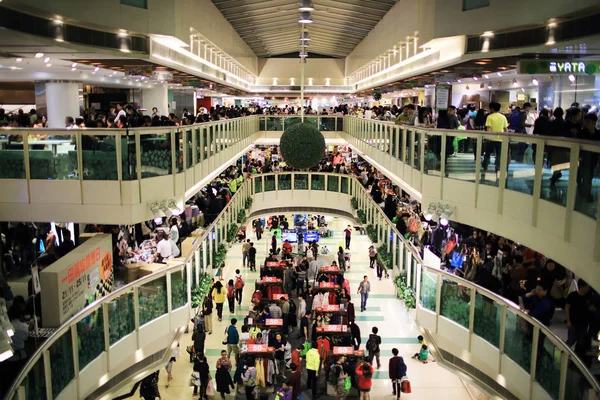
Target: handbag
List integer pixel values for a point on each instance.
(406, 386)
(457, 259)
(210, 389)
(195, 379)
(226, 337)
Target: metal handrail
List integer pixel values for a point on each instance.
(114, 295)
(498, 299)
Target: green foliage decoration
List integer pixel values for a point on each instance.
(354, 203)
(377, 95)
(248, 203)
(302, 146)
(362, 217)
(232, 232)
(199, 292)
(372, 233)
(404, 292)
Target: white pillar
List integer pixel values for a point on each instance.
(156, 97)
(62, 100)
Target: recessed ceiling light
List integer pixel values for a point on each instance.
(73, 69)
(96, 69)
(39, 55)
(19, 59)
(48, 65)
(74, 65)
(47, 59)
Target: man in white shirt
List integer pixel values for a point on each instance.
(175, 252)
(174, 230)
(163, 247)
(530, 117)
(120, 112)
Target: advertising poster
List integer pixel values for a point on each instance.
(442, 96)
(76, 280)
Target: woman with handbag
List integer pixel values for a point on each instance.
(200, 376)
(249, 380)
(231, 296)
(218, 295)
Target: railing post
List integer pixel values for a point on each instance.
(478, 152)
(502, 336)
(503, 172)
(471, 315)
(47, 373)
(564, 365)
(74, 343)
(534, 352)
(438, 302)
(136, 314)
(106, 322)
(571, 191)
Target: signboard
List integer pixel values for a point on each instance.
(330, 268)
(138, 70)
(257, 348)
(311, 236)
(278, 296)
(35, 279)
(331, 308)
(326, 285)
(559, 67)
(76, 280)
(335, 328)
(159, 75)
(272, 264)
(343, 350)
(442, 96)
(274, 322)
(270, 279)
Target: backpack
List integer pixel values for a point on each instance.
(239, 283)
(251, 382)
(413, 225)
(371, 345)
(293, 308)
(230, 293)
(332, 378)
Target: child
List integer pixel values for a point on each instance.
(169, 366)
(423, 354)
(423, 342)
(324, 250)
(285, 393)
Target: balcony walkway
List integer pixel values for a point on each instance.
(396, 327)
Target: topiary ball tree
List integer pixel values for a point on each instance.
(302, 146)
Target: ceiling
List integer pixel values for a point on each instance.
(271, 28)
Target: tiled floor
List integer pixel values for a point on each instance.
(429, 381)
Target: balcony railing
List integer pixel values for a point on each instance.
(279, 123)
(502, 184)
(115, 332)
(476, 321)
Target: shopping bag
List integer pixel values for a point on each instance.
(348, 384)
(406, 386)
(195, 379)
(210, 389)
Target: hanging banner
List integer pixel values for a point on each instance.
(138, 70)
(76, 280)
(442, 96)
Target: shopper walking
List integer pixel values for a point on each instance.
(348, 235)
(372, 256)
(252, 257)
(149, 387)
(201, 375)
(341, 259)
(249, 380)
(233, 340)
(279, 346)
(199, 338)
(339, 376)
(363, 289)
(397, 371)
(239, 286)
(372, 346)
(169, 366)
(231, 296)
(258, 229)
(245, 248)
(218, 295)
(313, 361)
(207, 308)
(224, 381)
(379, 269)
(274, 243)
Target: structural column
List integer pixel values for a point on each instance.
(156, 97)
(62, 100)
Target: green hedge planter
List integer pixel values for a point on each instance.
(302, 146)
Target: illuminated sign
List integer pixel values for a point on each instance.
(558, 67)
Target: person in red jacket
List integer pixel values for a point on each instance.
(364, 371)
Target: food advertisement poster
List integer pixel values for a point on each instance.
(76, 280)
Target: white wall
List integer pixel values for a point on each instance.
(62, 100)
(285, 68)
(156, 97)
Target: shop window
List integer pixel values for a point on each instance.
(136, 3)
(469, 4)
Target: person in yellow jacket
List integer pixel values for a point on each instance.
(218, 295)
(313, 361)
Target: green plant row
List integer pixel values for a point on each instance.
(362, 217)
(354, 203)
(384, 257)
(372, 233)
(248, 203)
(404, 292)
(219, 256)
(199, 292)
(232, 232)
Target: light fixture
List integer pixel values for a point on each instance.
(475, 78)
(467, 88)
(304, 37)
(306, 5)
(499, 73)
(73, 69)
(515, 83)
(430, 212)
(486, 76)
(47, 59)
(96, 69)
(39, 55)
(6, 350)
(157, 213)
(19, 59)
(459, 81)
(445, 216)
(74, 65)
(48, 65)
(572, 77)
(305, 18)
(535, 81)
(489, 86)
(165, 209)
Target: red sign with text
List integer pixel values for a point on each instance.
(273, 264)
(274, 322)
(330, 268)
(326, 285)
(343, 350)
(278, 296)
(255, 348)
(82, 265)
(335, 328)
(270, 279)
(331, 308)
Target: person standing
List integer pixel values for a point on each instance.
(340, 377)
(397, 371)
(355, 331)
(313, 361)
(295, 380)
(364, 371)
(239, 286)
(249, 380)
(363, 289)
(495, 122)
(245, 248)
(223, 378)
(231, 296)
(233, 340)
(258, 229)
(372, 346)
(252, 257)
(224, 361)
(174, 230)
(149, 387)
(348, 233)
(578, 317)
(279, 346)
(207, 308)
(274, 243)
(201, 367)
(372, 256)
(218, 295)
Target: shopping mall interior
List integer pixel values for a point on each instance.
(310, 199)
